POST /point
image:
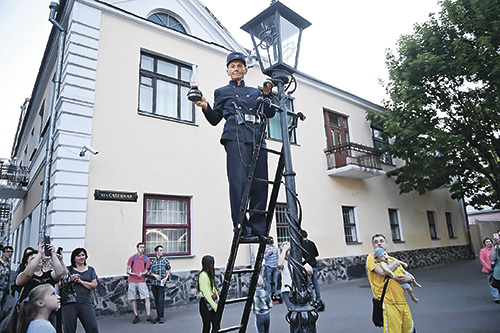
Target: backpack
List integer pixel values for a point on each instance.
(133, 259)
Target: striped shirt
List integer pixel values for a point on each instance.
(271, 256)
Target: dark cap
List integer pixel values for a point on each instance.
(236, 56)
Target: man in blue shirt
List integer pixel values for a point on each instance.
(238, 105)
(271, 269)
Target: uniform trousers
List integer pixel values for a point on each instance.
(239, 157)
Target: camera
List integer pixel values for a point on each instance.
(90, 149)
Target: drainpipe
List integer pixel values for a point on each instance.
(54, 7)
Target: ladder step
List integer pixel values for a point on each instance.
(229, 329)
(263, 180)
(242, 271)
(258, 211)
(272, 151)
(236, 300)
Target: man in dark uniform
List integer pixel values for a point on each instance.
(238, 105)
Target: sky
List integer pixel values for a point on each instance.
(344, 46)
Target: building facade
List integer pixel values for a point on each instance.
(159, 174)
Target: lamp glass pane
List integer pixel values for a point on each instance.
(289, 41)
(266, 39)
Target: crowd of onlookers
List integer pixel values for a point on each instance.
(42, 284)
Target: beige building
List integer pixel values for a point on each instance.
(159, 175)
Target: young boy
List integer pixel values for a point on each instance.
(262, 303)
(384, 259)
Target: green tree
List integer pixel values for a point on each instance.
(443, 114)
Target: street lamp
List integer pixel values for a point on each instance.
(276, 35)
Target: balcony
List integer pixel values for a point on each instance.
(354, 161)
(13, 180)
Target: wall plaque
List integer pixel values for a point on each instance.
(115, 195)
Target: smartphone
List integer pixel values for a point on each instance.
(47, 250)
(59, 250)
(496, 236)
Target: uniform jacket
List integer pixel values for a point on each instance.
(245, 99)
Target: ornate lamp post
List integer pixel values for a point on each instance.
(276, 35)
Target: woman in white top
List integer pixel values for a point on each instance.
(286, 279)
(35, 311)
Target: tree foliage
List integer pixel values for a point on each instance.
(443, 115)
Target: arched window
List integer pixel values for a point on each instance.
(167, 20)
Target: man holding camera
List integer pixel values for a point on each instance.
(397, 314)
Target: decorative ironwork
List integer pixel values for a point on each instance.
(12, 175)
(353, 154)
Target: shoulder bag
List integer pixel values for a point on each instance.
(378, 312)
(8, 321)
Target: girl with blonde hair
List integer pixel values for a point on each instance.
(35, 310)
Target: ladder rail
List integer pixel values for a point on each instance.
(237, 233)
(276, 184)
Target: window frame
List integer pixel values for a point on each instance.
(155, 76)
(449, 225)
(186, 226)
(397, 225)
(341, 129)
(281, 223)
(277, 119)
(170, 15)
(352, 224)
(385, 157)
(431, 220)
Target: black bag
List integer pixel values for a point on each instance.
(378, 312)
(8, 322)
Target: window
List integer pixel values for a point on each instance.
(167, 20)
(274, 124)
(163, 87)
(337, 129)
(449, 224)
(351, 234)
(432, 225)
(40, 120)
(281, 224)
(395, 226)
(167, 222)
(379, 143)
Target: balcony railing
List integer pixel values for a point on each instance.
(13, 175)
(353, 160)
(13, 180)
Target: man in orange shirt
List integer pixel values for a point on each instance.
(397, 314)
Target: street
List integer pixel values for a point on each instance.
(454, 298)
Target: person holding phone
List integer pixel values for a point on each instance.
(33, 275)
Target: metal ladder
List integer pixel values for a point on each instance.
(255, 270)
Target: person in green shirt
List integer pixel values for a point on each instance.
(209, 296)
